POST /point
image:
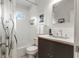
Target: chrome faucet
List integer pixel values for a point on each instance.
(61, 34)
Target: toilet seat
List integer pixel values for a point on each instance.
(31, 48)
(31, 51)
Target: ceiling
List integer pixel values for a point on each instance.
(25, 3)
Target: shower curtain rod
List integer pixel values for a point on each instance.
(32, 2)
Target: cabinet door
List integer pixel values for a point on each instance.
(45, 48)
(63, 50)
(51, 49)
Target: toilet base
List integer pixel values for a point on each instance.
(30, 56)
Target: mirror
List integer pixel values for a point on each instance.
(62, 11)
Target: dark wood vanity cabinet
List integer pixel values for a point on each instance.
(52, 49)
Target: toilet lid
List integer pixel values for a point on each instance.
(32, 48)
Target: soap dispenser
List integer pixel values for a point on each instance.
(50, 32)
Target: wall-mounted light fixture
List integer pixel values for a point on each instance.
(33, 21)
(55, 1)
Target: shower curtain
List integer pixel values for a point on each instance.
(7, 12)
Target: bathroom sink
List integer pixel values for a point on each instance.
(55, 36)
(58, 39)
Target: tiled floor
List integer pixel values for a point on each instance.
(25, 56)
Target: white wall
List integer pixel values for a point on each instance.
(63, 9)
(46, 8)
(23, 28)
(26, 33)
(36, 11)
(76, 53)
(68, 27)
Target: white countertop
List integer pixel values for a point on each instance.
(61, 40)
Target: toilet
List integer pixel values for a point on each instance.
(31, 51)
